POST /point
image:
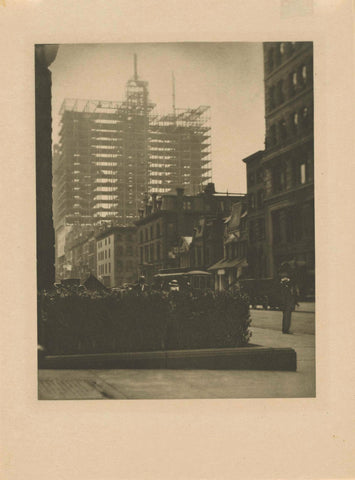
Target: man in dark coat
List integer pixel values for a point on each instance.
(287, 303)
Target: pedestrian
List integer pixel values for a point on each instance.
(174, 286)
(287, 303)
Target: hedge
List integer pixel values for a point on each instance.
(83, 322)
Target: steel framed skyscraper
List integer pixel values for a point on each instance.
(112, 154)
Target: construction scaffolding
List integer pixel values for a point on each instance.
(112, 153)
(179, 151)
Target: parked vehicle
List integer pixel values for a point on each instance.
(264, 292)
(196, 279)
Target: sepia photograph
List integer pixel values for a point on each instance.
(175, 220)
(177, 184)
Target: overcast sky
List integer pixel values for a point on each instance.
(226, 76)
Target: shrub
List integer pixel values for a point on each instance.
(76, 321)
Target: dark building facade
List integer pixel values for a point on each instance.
(44, 56)
(257, 246)
(281, 179)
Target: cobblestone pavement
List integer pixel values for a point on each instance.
(180, 384)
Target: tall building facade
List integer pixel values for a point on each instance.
(281, 179)
(111, 154)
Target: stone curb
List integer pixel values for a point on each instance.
(242, 358)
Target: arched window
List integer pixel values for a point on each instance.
(304, 73)
(282, 129)
(280, 93)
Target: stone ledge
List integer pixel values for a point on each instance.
(242, 358)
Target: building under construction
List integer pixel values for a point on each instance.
(111, 154)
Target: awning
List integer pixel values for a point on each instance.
(232, 237)
(198, 272)
(177, 274)
(234, 263)
(188, 240)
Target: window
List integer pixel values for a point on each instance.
(158, 230)
(109, 268)
(260, 198)
(141, 254)
(276, 226)
(141, 236)
(251, 200)
(280, 95)
(305, 117)
(146, 234)
(207, 256)
(283, 129)
(303, 173)
(151, 232)
(279, 178)
(271, 59)
(251, 178)
(251, 231)
(273, 137)
(304, 73)
(158, 251)
(259, 175)
(187, 205)
(272, 97)
(199, 256)
(298, 224)
(261, 229)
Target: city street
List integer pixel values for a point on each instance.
(180, 384)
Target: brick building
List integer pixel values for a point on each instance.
(82, 254)
(171, 222)
(117, 261)
(233, 264)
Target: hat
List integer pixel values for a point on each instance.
(175, 282)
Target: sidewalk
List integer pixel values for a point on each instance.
(309, 307)
(305, 307)
(188, 384)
